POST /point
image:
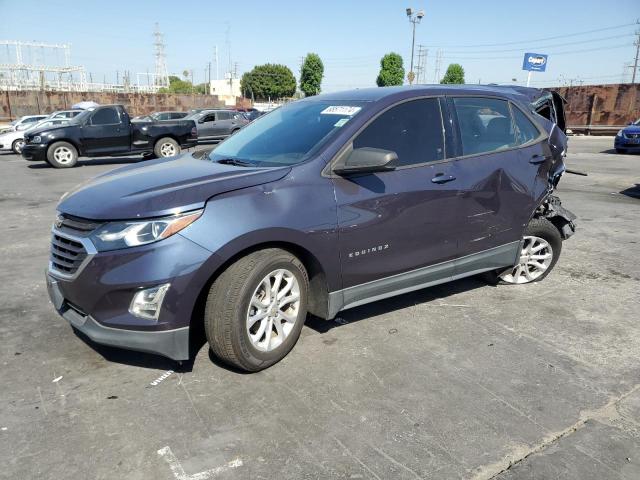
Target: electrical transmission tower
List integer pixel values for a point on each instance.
(421, 67)
(436, 76)
(162, 75)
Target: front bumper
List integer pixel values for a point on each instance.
(173, 344)
(35, 152)
(96, 298)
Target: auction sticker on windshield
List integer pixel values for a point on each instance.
(341, 110)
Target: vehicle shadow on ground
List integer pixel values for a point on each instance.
(198, 339)
(613, 152)
(633, 192)
(95, 162)
(136, 359)
(382, 307)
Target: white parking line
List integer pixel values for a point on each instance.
(180, 474)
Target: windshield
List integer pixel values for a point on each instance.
(288, 135)
(81, 116)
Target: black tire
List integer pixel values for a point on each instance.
(234, 131)
(56, 149)
(620, 150)
(17, 145)
(538, 227)
(163, 145)
(228, 303)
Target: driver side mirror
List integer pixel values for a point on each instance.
(367, 160)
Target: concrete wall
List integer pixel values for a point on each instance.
(600, 105)
(16, 104)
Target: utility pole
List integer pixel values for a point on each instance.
(209, 82)
(414, 19)
(215, 56)
(635, 62)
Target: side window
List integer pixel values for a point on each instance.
(105, 116)
(485, 124)
(210, 117)
(412, 129)
(224, 115)
(525, 129)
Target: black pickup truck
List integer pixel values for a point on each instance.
(107, 131)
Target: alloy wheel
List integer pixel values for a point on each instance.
(167, 149)
(63, 155)
(273, 310)
(535, 259)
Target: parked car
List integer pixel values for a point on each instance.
(160, 116)
(23, 123)
(628, 138)
(106, 131)
(216, 125)
(327, 203)
(14, 141)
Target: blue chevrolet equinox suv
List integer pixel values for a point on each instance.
(321, 205)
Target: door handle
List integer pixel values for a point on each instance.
(442, 178)
(536, 159)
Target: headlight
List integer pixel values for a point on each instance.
(115, 235)
(36, 139)
(620, 133)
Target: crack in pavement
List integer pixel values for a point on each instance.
(522, 452)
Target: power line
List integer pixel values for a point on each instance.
(519, 49)
(538, 39)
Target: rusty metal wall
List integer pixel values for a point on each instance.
(16, 104)
(602, 105)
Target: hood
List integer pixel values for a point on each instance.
(631, 129)
(37, 131)
(161, 187)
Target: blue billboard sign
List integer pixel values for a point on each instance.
(534, 62)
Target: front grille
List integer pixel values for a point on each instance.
(75, 224)
(632, 135)
(66, 255)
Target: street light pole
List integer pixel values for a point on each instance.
(414, 19)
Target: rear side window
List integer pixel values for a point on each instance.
(525, 129)
(105, 116)
(224, 115)
(412, 129)
(485, 124)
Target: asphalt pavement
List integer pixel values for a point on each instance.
(462, 380)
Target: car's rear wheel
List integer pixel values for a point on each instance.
(166, 147)
(256, 308)
(17, 146)
(62, 155)
(539, 252)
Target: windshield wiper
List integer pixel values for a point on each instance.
(237, 162)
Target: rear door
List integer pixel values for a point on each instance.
(503, 155)
(398, 221)
(107, 131)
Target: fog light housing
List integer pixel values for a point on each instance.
(146, 303)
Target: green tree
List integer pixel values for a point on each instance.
(311, 74)
(268, 81)
(176, 85)
(391, 70)
(455, 74)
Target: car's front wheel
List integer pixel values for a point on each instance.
(17, 145)
(256, 309)
(539, 252)
(62, 155)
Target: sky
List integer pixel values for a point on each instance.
(588, 41)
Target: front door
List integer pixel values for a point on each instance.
(207, 126)
(106, 132)
(397, 228)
